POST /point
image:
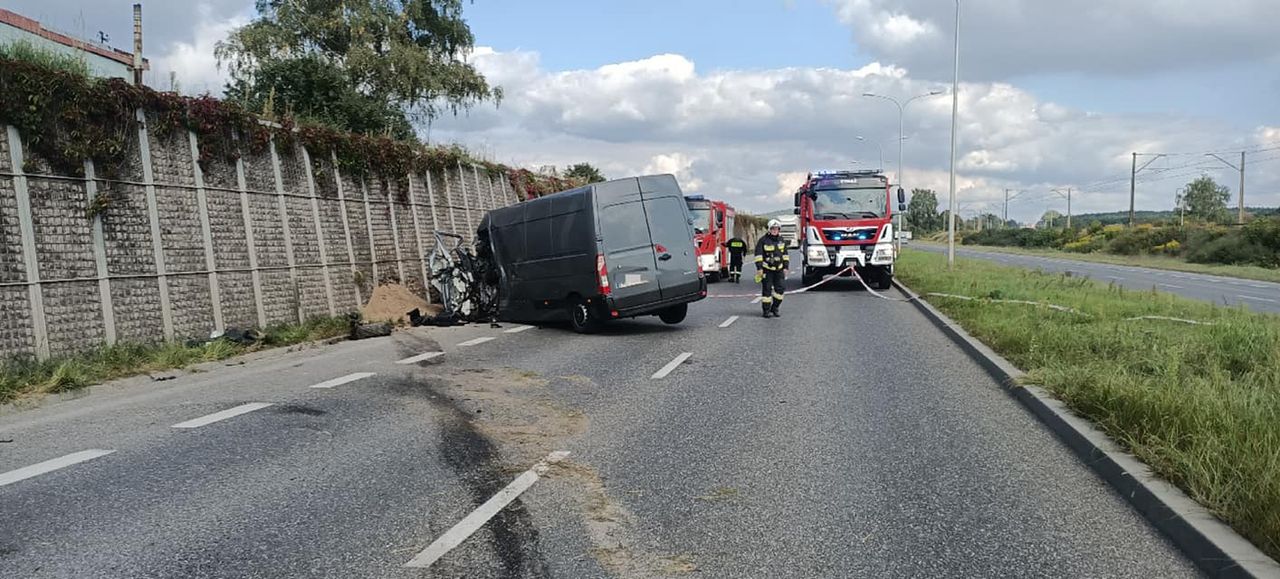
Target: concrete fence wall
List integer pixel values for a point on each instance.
(178, 252)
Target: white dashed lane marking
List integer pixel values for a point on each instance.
(472, 522)
(220, 416)
(48, 466)
(475, 342)
(421, 357)
(672, 365)
(729, 322)
(343, 380)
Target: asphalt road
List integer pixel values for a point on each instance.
(847, 439)
(1256, 295)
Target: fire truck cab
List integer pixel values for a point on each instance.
(712, 228)
(846, 220)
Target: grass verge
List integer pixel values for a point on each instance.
(24, 376)
(1200, 404)
(1150, 261)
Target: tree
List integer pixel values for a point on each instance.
(585, 173)
(1049, 218)
(922, 211)
(356, 62)
(1206, 200)
(308, 88)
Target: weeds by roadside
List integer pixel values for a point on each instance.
(1200, 404)
(25, 376)
(1252, 272)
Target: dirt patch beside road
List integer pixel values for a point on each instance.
(393, 302)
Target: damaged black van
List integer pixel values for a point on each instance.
(611, 250)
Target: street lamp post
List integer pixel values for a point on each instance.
(879, 147)
(902, 107)
(955, 110)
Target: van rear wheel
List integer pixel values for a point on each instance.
(674, 314)
(583, 318)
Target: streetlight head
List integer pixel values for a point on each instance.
(869, 94)
(860, 138)
(935, 92)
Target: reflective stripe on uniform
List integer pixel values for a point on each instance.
(759, 258)
(768, 248)
(766, 300)
(777, 296)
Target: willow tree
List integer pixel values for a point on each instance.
(363, 65)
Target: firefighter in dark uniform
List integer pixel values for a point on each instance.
(737, 249)
(772, 263)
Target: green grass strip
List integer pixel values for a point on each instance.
(1200, 404)
(23, 376)
(1252, 272)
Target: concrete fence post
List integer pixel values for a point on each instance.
(466, 203)
(368, 223)
(26, 230)
(99, 242)
(395, 234)
(315, 214)
(417, 236)
(448, 201)
(346, 228)
(288, 236)
(246, 212)
(206, 234)
(153, 216)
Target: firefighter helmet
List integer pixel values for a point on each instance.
(774, 223)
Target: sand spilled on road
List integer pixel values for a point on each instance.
(514, 409)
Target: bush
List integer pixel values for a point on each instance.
(1143, 239)
(1265, 233)
(1230, 249)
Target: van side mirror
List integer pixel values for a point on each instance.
(902, 196)
(796, 211)
(797, 201)
(902, 207)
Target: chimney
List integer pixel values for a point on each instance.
(137, 45)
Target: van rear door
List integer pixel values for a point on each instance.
(668, 217)
(628, 250)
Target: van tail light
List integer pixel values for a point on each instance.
(604, 275)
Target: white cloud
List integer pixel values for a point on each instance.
(192, 64)
(749, 136)
(1004, 38)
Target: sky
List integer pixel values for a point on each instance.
(740, 99)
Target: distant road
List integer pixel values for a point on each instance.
(1259, 296)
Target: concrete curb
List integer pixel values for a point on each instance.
(1213, 546)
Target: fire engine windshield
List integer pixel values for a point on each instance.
(850, 203)
(701, 217)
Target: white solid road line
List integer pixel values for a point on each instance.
(519, 329)
(27, 472)
(472, 522)
(225, 414)
(729, 322)
(343, 380)
(475, 342)
(1271, 301)
(421, 357)
(1172, 286)
(660, 374)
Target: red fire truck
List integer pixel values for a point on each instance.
(846, 220)
(712, 228)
